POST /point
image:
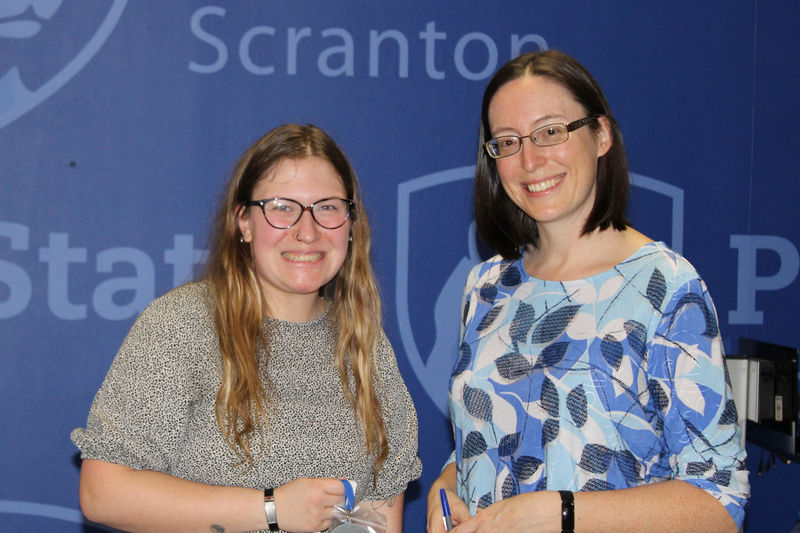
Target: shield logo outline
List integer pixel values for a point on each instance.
(434, 373)
(16, 99)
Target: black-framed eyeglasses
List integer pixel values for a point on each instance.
(548, 135)
(283, 213)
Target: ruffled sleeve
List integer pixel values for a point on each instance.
(402, 465)
(140, 413)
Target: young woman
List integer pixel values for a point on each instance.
(590, 391)
(237, 403)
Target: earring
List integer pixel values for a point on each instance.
(350, 238)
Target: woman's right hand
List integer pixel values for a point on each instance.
(458, 509)
(306, 504)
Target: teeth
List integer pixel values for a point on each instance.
(543, 185)
(302, 258)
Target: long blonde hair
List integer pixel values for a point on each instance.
(243, 404)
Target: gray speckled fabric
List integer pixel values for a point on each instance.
(155, 409)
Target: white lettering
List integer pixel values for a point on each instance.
(143, 284)
(491, 48)
(748, 282)
(293, 37)
(58, 256)
(215, 42)
(430, 36)
(375, 40)
(114, 298)
(518, 42)
(346, 49)
(341, 59)
(11, 275)
(244, 50)
(183, 257)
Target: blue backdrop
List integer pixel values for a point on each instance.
(120, 121)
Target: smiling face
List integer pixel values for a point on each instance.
(554, 184)
(292, 264)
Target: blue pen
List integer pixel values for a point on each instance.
(448, 522)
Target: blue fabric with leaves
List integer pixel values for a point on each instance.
(608, 382)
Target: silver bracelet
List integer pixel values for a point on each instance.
(269, 510)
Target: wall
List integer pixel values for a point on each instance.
(120, 121)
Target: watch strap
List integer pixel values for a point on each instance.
(567, 511)
(269, 509)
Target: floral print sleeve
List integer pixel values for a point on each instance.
(692, 394)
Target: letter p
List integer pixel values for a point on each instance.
(747, 280)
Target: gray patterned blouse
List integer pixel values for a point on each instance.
(155, 409)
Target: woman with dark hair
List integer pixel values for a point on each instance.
(237, 403)
(590, 392)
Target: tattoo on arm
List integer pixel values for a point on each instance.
(388, 502)
(217, 529)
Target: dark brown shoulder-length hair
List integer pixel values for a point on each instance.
(505, 227)
(240, 308)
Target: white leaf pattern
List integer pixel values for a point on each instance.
(689, 394)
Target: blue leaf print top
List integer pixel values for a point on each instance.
(609, 382)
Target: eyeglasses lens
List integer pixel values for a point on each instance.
(510, 144)
(550, 135)
(503, 146)
(331, 213)
(285, 213)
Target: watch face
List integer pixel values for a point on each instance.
(350, 528)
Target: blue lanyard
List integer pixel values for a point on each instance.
(349, 495)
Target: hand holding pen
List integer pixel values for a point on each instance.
(445, 509)
(446, 518)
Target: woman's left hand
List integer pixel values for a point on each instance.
(533, 511)
(306, 504)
